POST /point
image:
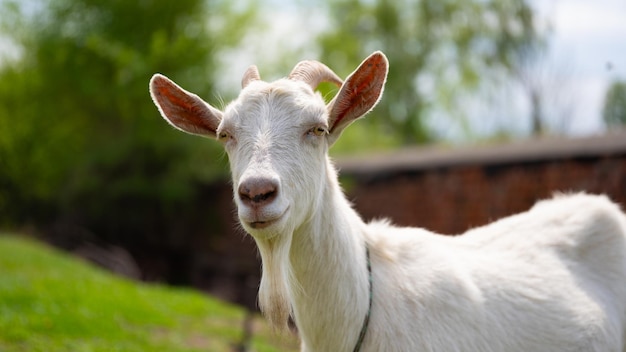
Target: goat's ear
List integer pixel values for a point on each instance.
(359, 94)
(182, 109)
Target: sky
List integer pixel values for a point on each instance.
(589, 37)
(586, 52)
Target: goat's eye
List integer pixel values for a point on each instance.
(318, 131)
(223, 136)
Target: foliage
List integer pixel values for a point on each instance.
(614, 110)
(436, 50)
(51, 302)
(76, 120)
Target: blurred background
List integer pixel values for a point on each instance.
(489, 106)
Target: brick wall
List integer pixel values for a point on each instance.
(450, 191)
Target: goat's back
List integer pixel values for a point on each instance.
(551, 279)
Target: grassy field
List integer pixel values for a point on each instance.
(50, 302)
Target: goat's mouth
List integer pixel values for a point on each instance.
(262, 223)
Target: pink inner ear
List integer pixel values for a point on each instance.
(184, 110)
(360, 92)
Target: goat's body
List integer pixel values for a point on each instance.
(550, 279)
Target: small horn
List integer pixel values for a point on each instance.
(252, 74)
(313, 73)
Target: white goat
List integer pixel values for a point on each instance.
(549, 279)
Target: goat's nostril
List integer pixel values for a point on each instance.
(258, 191)
(263, 197)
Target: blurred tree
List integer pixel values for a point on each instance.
(547, 84)
(614, 110)
(79, 136)
(436, 48)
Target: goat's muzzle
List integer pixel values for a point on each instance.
(257, 194)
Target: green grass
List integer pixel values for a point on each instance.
(50, 301)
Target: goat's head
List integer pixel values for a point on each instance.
(276, 135)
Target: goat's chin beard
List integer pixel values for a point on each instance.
(274, 297)
(263, 235)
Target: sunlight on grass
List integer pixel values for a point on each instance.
(50, 301)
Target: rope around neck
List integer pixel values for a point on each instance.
(366, 321)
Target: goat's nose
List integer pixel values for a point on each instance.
(256, 192)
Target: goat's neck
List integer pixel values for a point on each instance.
(330, 289)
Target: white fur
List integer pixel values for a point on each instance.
(549, 279)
